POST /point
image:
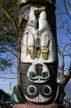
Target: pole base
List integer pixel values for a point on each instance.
(31, 105)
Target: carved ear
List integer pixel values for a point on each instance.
(43, 15)
(42, 20)
(32, 18)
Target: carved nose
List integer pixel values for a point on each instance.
(38, 68)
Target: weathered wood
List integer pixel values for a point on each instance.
(30, 105)
(20, 32)
(38, 56)
(37, 46)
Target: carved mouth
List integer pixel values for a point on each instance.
(38, 79)
(39, 99)
(34, 77)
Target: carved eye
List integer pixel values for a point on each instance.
(45, 74)
(31, 90)
(33, 75)
(46, 90)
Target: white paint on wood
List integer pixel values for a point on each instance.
(38, 78)
(38, 99)
(28, 90)
(46, 87)
(30, 35)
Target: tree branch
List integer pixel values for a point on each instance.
(9, 17)
(68, 9)
(62, 60)
(66, 78)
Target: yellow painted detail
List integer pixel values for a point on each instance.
(44, 52)
(31, 52)
(22, 1)
(37, 10)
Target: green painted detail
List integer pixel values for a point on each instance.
(62, 97)
(15, 98)
(33, 74)
(44, 74)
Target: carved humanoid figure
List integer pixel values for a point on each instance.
(38, 42)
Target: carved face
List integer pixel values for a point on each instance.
(38, 57)
(38, 43)
(38, 82)
(38, 73)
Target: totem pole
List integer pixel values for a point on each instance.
(37, 54)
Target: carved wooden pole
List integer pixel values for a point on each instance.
(37, 56)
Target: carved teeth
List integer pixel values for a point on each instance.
(38, 99)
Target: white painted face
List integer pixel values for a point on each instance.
(46, 52)
(38, 73)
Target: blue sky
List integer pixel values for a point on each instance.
(63, 23)
(9, 73)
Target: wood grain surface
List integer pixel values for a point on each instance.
(30, 105)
